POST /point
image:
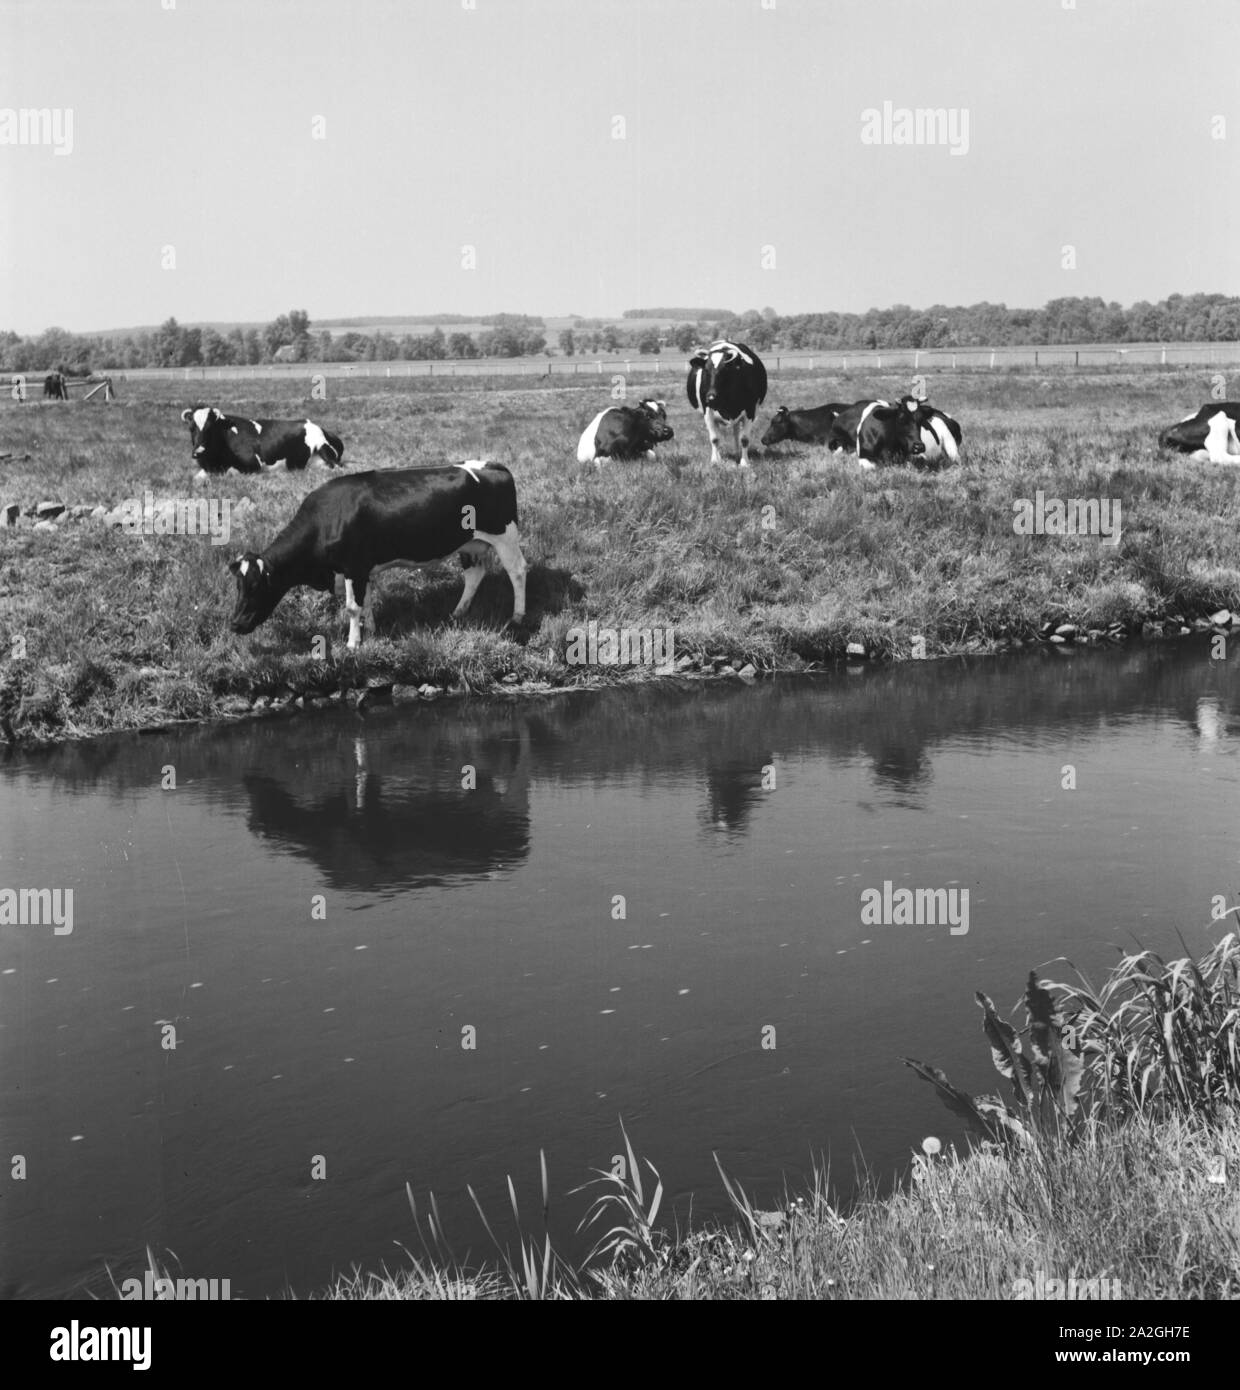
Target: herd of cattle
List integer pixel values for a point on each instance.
(361, 523)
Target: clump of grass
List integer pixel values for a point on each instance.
(633, 1240)
(1160, 1037)
(1045, 1074)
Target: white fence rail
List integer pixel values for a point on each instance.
(897, 359)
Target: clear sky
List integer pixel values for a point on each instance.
(445, 126)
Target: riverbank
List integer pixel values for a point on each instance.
(799, 561)
(1105, 1172)
(1130, 1213)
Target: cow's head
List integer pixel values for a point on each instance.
(779, 429)
(906, 433)
(656, 416)
(721, 365)
(203, 421)
(257, 592)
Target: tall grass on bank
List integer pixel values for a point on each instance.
(1160, 1037)
(1113, 1166)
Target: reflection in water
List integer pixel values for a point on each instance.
(1209, 719)
(414, 825)
(502, 832)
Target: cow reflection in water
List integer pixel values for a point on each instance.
(733, 789)
(401, 823)
(900, 767)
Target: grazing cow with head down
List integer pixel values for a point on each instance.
(625, 432)
(811, 426)
(876, 432)
(727, 383)
(221, 442)
(364, 522)
(1208, 435)
(54, 387)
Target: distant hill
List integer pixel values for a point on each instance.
(421, 324)
(389, 321)
(223, 328)
(680, 315)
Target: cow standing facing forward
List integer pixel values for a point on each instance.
(727, 383)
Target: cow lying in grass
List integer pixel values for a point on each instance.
(1207, 435)
(625, 432)
(910, 431)
(811, 426)
(221, 442)
(365, 522)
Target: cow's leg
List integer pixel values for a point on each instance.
(475, 571)
(712, 429)
(362, 771)
(742, 431)
(354, 605)
(508, 548)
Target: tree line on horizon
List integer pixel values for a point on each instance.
(290, 337)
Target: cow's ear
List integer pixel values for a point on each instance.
(187, 415)
(235, 565)
(699, 358)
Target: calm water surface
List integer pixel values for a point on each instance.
(335, 1034)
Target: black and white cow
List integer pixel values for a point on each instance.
(811, 426)
(877, 431)
(54, 387)
(727, 383)
(941, 436)
(625, 432)
(1208, 435)
(363, 522)
(221, 442)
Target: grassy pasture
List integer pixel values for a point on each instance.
(781, 565)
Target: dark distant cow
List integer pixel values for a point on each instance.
(625, 432)
(54, 387)
(802, 426)
(727, 383)
(940, 434)
(221, 442)
(1208, 435)
(877, 431)
(364, 522)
